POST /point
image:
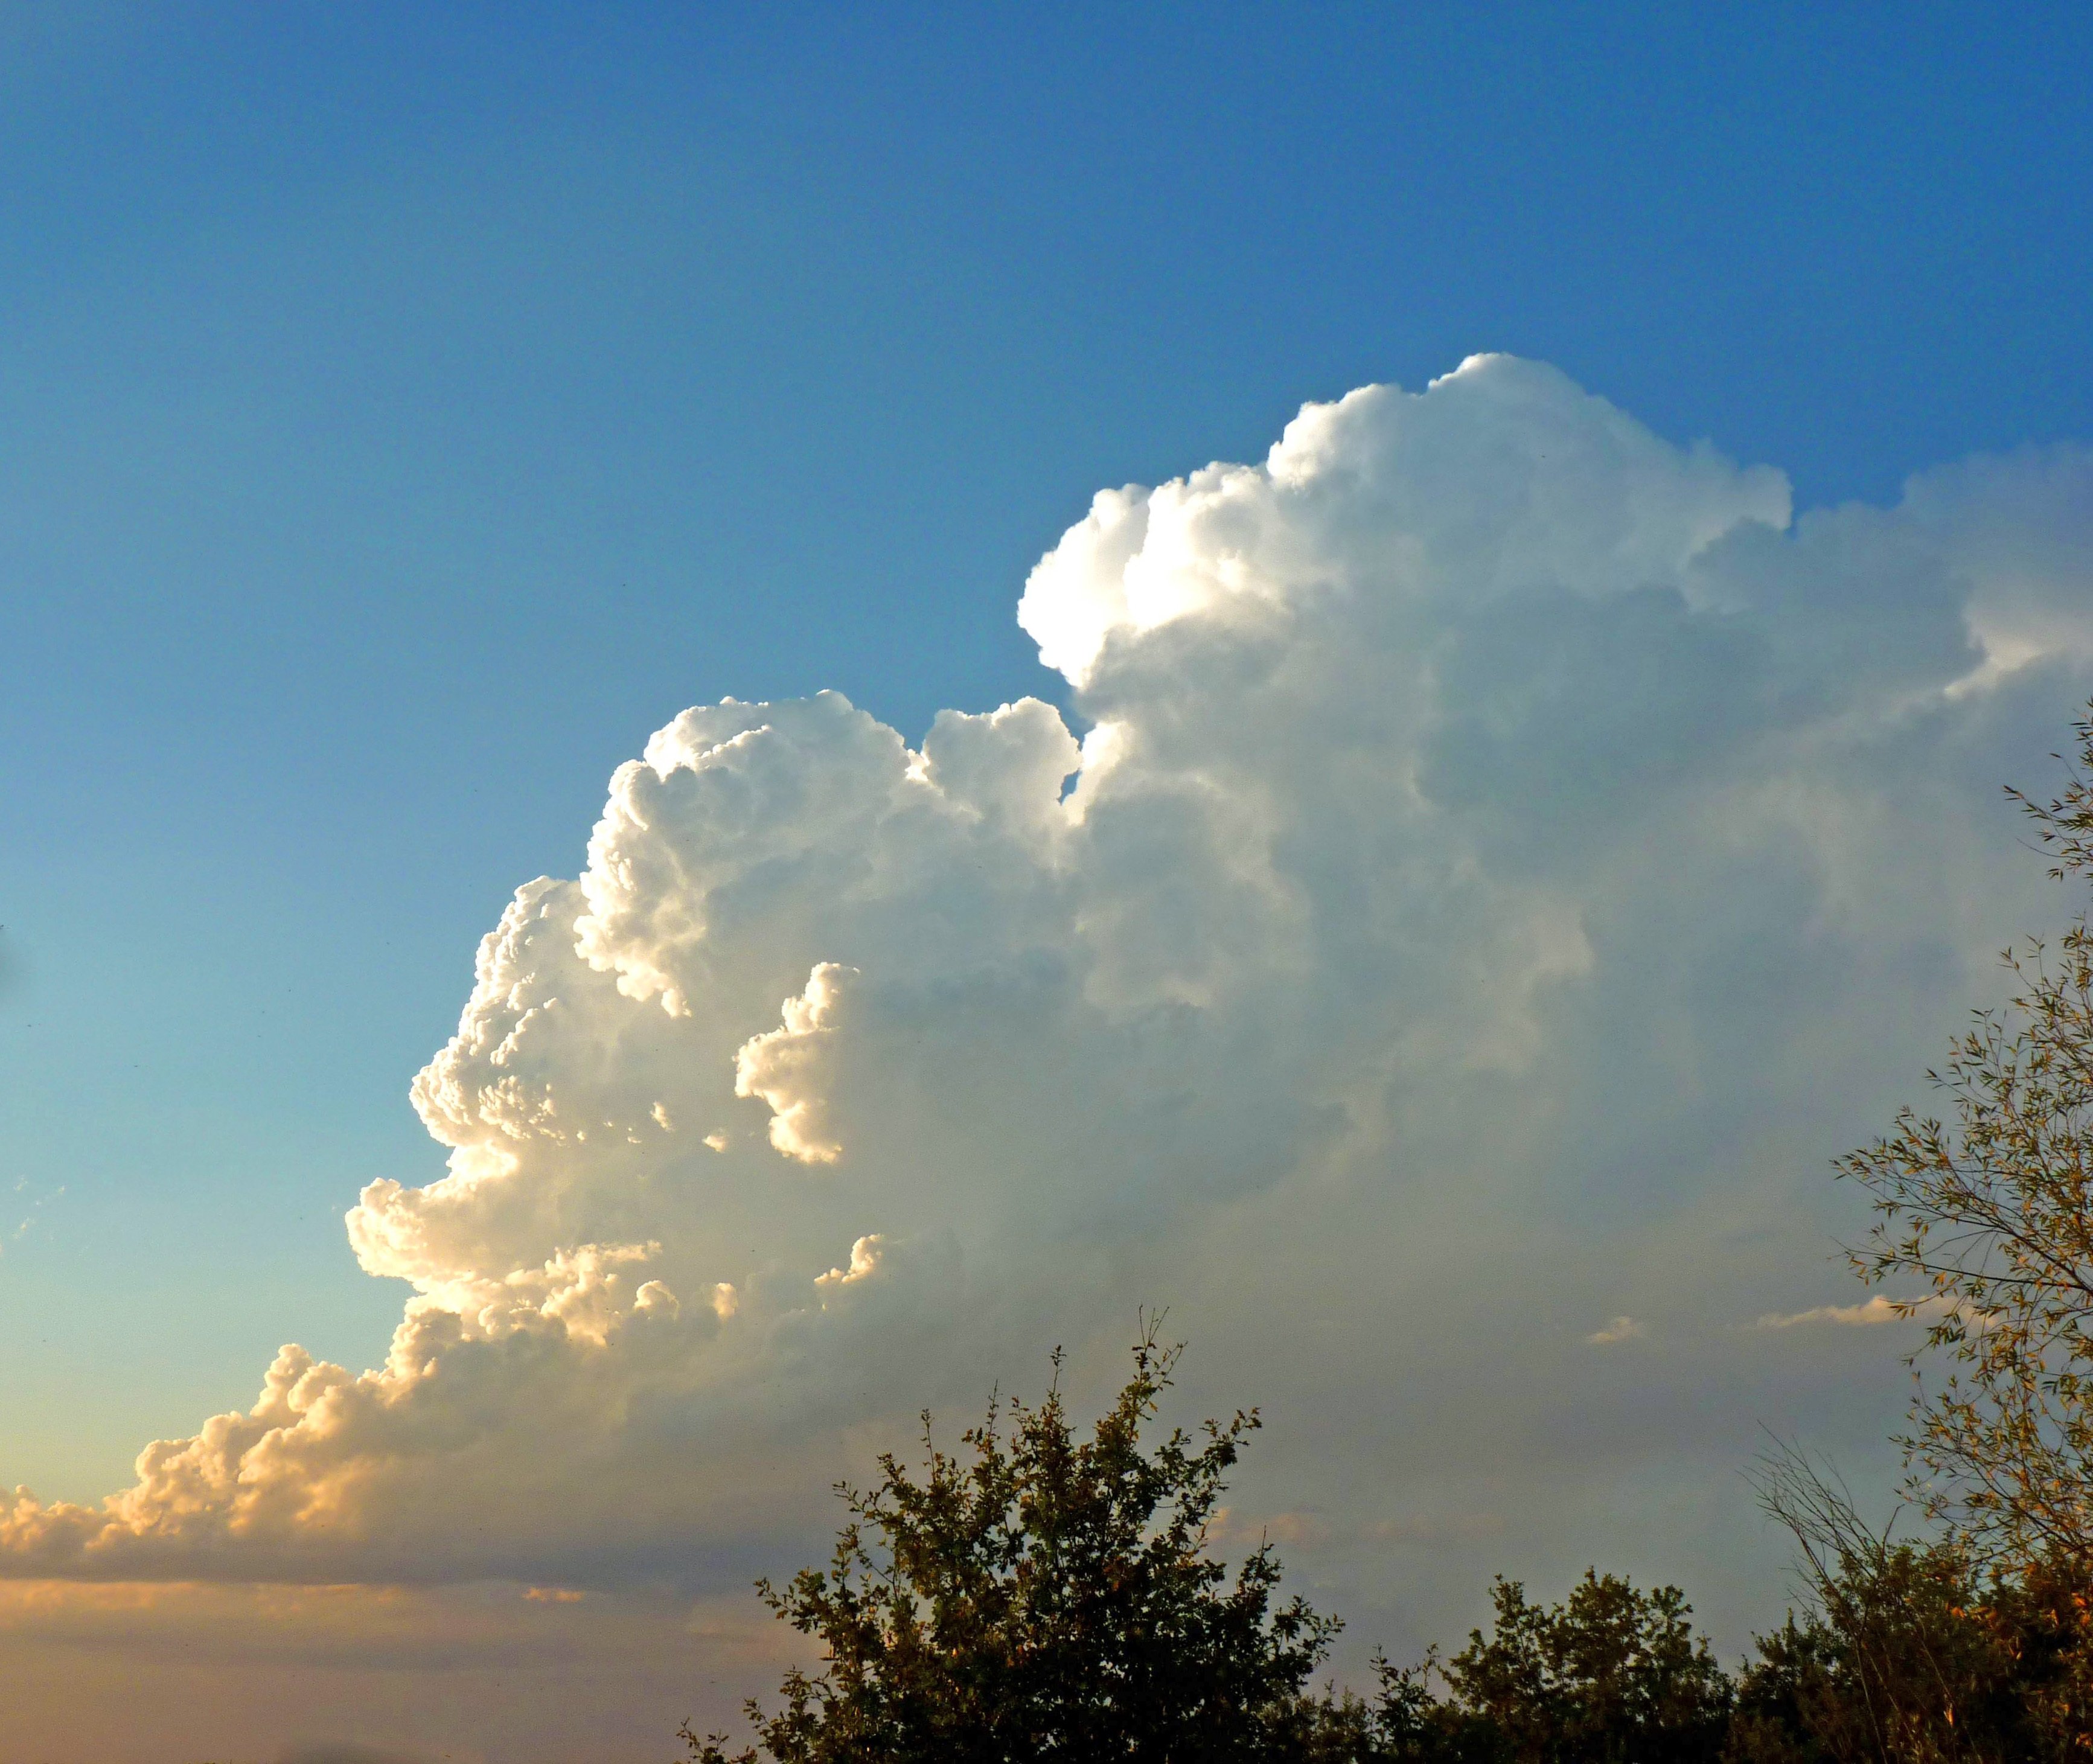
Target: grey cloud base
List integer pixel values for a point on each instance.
(1509, 858)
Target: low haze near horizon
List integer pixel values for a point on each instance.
(1524, 824)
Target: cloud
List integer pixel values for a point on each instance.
(1877, 1309)
(1619, 1329)
(1499, 837)
(786, 1067)
(864, 1259)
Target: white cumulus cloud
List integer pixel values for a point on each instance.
(786, 1067)
(1498, 839)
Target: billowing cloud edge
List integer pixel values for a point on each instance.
(1441, 756)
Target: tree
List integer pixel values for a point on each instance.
(1612, 1675)
(1044, 1597)
(1911, 1652)
(1993, 1216)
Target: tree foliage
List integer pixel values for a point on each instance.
(1040, 1595)
(1612, 1675)
(1990, 1216)
(1044, 1597)
(1913, 1653)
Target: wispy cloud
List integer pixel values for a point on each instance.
(1877, 1310)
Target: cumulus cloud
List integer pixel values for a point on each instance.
(1502, 846)
(864, 1264)
(786, 1067)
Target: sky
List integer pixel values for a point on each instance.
(1426, 902)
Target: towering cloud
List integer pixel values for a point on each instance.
(1504, 857)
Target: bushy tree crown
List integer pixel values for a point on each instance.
(1040, 1595)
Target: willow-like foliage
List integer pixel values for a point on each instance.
(1991, 1213)
(1911, 1652)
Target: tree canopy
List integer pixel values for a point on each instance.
(1043, 1595)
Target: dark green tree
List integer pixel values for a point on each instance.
(1612, 1675)
(1043, 1596)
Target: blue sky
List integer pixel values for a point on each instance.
(404, 410)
